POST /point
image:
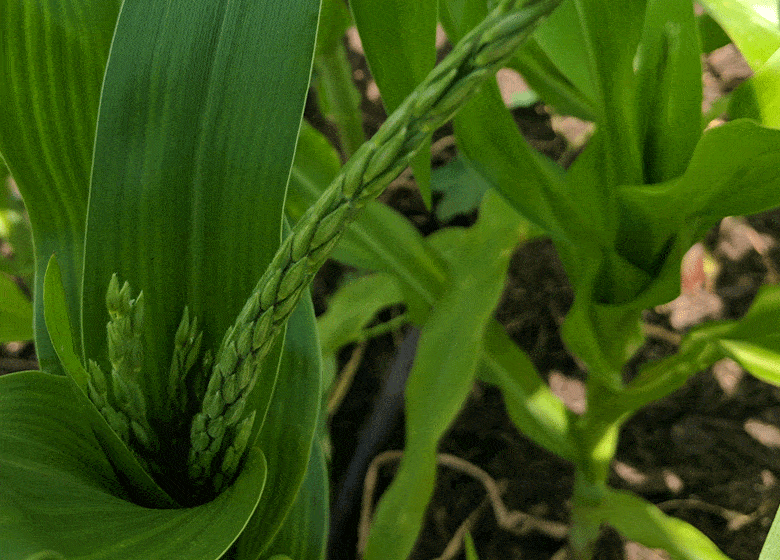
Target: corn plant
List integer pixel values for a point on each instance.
(178, 404)
(177, 410)
(649, 184)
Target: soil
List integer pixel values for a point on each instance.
(709, 453)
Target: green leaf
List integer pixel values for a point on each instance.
(754, 341)
(470, 549)
(288, 431)
(54, 54)
(610, 58)
(556, 66)
(352, 307)
(531, 405)
(771, 548)
(669, 89)
(548, 83)
(338, 96)
(751, 24)
(443, 371)
(488, 136)
(461, 186)
(199, 117)
(757, 98)
(711, 33)
(643, 522)
(399, 40)
(712, 186)
(15, 230)
(304, 534)
(60, 493)
(16, 312)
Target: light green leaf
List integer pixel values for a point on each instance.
(771, 548)
(61, 494)
(53, 56)
(757, 98)
(751, 24)
(289, 429)
(470, 549)
(534, 409)
(353, 306)
(16, 312)
(443, 371)
(643, 522)
(196, 136)
(754, 340)
(399, 40)
(759, 361)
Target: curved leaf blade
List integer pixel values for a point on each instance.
(58, 492)
(443, 372)
(643, 522)
(303, 535)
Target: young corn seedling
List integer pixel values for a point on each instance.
(152, 143)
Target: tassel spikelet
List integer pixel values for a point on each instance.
(207, 405)
(120, 397)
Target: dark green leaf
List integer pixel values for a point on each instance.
(669, 89)
(610, 58)
(488, 136)
(53, 54)
(461, 186)
(60, 329)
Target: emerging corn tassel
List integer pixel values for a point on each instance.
(210, 410)
(120, 398)
(219, 431)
